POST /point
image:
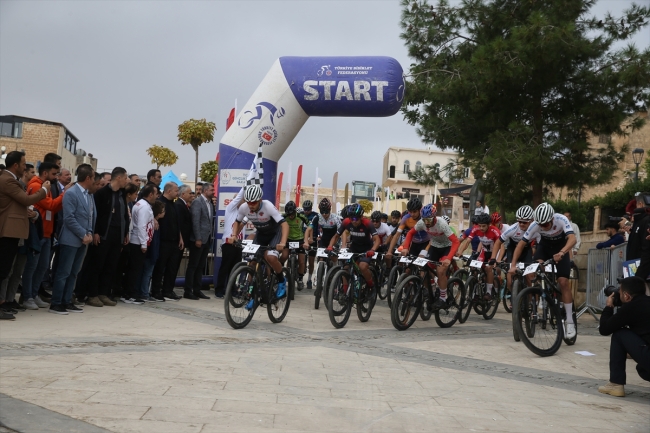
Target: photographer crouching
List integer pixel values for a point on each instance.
(630, 330)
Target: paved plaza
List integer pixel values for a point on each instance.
(178, 367)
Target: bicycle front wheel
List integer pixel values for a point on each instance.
(466, 306)
(391, 285)
(240, 291)
(278, 306)
(407, 303)
(367, 300)
(540, 330)
(446, 317)
(320, 277)
(339, 299)
(516, 288)
(507, 300)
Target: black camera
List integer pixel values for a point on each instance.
(617, 294)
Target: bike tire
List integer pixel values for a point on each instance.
(391, 285)
(536, 343)
(320, 276)
(328, 281)
(407, 303)
(339, 303)
(507, 300)
(446, 318)
(425, 313)
(366, 303)
(293, 265)
(466, 308)
(382, 293)
(237, 296)
(277, 309)
(463, 274)
(516, 288)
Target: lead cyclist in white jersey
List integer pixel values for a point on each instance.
(557, 239)
(272, 231)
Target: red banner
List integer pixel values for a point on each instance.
(216, 180)
(231, 119)
(278, 190)
(298, 185)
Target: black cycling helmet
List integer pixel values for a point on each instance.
(414, 204)
(483, 219)
(396, 214)
(375, 216)
(325, 205)
(290, 208)
(344, 212)
(355, 211)
(307, 205)
(384, 216)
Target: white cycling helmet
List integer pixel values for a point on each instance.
(253, 193)
(525, 213)
(544, 213)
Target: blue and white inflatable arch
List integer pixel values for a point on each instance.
(294, 89)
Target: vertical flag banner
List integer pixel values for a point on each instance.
(345, 195)
(278, 191)
(298, 185)
(294, 89)
(231, 119)
(316, 190)
(287, 195)
(386, 198)
(335, 180)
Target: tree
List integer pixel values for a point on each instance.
(427, 175)
(518, 87)
(367, 205)
(195, 133)
(162, 156)
(209, 171)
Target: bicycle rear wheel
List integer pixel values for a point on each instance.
(490, 308)
(407, 303)
(240, 290)
(277, 308)
(516, 288)
(446, 317)
(507, 300)
(537, 331)
(339, 299)
(391, 285)
(320, 276)
(293, 266)
(425, 313)
(466, 307)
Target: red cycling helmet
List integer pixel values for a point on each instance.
(496, 218)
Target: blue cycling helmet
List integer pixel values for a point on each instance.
(428, 211)
(355, 211)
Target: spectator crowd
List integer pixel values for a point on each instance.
(98, 240)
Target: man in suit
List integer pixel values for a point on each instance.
(14, 203)
(200, 240)
(79, 215)
(184, 224)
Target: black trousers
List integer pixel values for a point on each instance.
(230, 256)
(8, 251)
(134, 274)
(163, 278)
(623, 342)
(103, 265)
(195, 267)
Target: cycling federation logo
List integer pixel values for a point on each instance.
(324, 70)
(267, 135)
(249, 117)
(225, 177)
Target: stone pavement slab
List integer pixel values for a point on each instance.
(179, 367)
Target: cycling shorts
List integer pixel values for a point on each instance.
(312, 251)
(525, 257)
(485, 256)
(268, 240)
(382, 249)
(545, 253)
(435, 254)
(416, 247)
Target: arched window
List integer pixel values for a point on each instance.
(407, 166)
(418, 165)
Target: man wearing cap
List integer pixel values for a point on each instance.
(635, 203)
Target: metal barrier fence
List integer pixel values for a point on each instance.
(603, 268)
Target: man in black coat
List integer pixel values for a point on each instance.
(171, 241)
(185, 224)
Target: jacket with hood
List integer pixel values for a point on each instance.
(47, 208)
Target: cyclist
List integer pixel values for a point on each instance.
(364, 239)
(557, 239)
(384, 218)
(476, 242)
(420, 239)
(488, 235)
(328, 223)
(496, 222)
(443, 245)
(312, 217)
(296, 223)
(510, 239)
(395, 216)
(448, 221)
(272, 231)
(383, 230)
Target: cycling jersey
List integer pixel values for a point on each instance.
(475, 241)
(443, 240)
(555, 236)
(487, 238)
(328, 227)
(514, 234)
(296, 226)
(383, 231)
(313, 219)
(408, 222)
(267, 219)
(360, 237)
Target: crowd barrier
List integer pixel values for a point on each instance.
(603, 268)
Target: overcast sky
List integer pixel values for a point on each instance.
(122, 75)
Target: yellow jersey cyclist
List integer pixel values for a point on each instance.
(297, 221)
(557, 239)
(271, 231)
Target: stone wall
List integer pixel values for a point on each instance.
(37, 141)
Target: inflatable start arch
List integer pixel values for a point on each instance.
(294, 89)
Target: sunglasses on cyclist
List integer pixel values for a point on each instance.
(249, 203)
(427, 220)
(353, 219)
(523, 222)
(548, 224)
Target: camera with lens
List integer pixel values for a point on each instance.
(617, 294)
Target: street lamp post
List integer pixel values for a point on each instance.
(637, 156)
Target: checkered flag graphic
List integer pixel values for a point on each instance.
(257, 178)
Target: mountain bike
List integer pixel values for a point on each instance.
(325, 264)
(293, 266)
(253, 285)
(476, 288)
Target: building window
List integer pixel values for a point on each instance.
(407, 166)
(70, 144)
(14, 130)
(418, 165)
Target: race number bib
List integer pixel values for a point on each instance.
(550, 268)
(247, 241)
(250, 249)
(531, 268)
(345, 256)
(520, 266)
(294, 245)
(476, 264)
(420, 261)
(321, 253)
(404, 260)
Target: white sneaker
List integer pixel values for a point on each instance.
(40, 303)
(126, 300)
(571, 331)
(30, 304)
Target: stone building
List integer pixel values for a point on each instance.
(38, 137)
(639, 139)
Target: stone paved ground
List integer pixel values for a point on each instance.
(179, 367)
